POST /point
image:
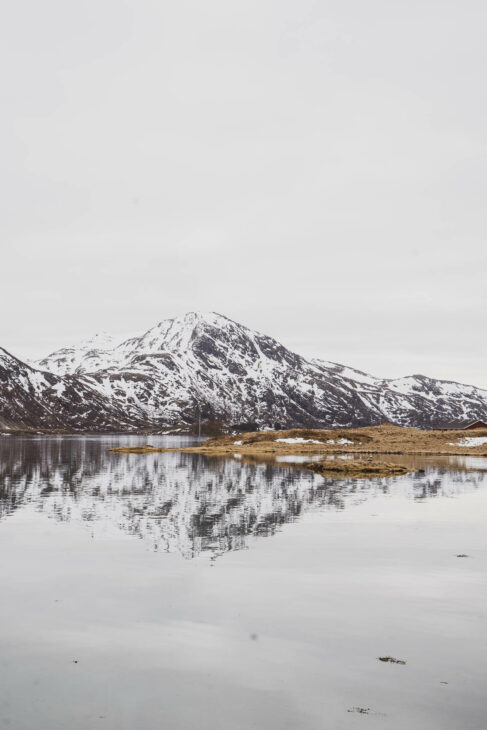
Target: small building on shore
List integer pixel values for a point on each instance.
(463, 425)
(475, 424)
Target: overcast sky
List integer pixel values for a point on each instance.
(314, 170)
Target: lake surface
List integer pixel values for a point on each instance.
(181, 592)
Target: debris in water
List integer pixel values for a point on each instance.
(391, 659)
(361, 710)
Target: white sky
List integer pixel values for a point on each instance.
(314, 170)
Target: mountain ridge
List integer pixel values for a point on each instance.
(207, 366)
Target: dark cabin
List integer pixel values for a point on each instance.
(474, 425)
(462, 425)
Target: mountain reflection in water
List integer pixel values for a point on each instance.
(188, 503)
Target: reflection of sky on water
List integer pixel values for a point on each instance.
(285, 634)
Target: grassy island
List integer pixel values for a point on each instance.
(361, 441)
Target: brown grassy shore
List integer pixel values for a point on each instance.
(368, 440)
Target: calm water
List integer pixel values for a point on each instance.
(175, 591)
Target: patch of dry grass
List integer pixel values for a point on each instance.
(366, 440)
(356, 468)
(147, 449)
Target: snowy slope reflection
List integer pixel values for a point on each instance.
(183, 502)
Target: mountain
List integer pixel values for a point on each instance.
(206, 365)
(68, 359)
(31, 398)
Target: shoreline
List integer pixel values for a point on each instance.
(363, 444)
(366, 441)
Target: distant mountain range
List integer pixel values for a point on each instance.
(207, 366)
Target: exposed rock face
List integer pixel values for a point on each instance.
(207, 365)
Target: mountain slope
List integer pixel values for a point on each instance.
(206, 365)
(31, 398)
(67, 360)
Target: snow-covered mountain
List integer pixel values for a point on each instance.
(207, 365)
(31, 398)
(86, 354)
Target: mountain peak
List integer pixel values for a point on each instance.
(100, 341)
(192, 319)
(177, 333)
